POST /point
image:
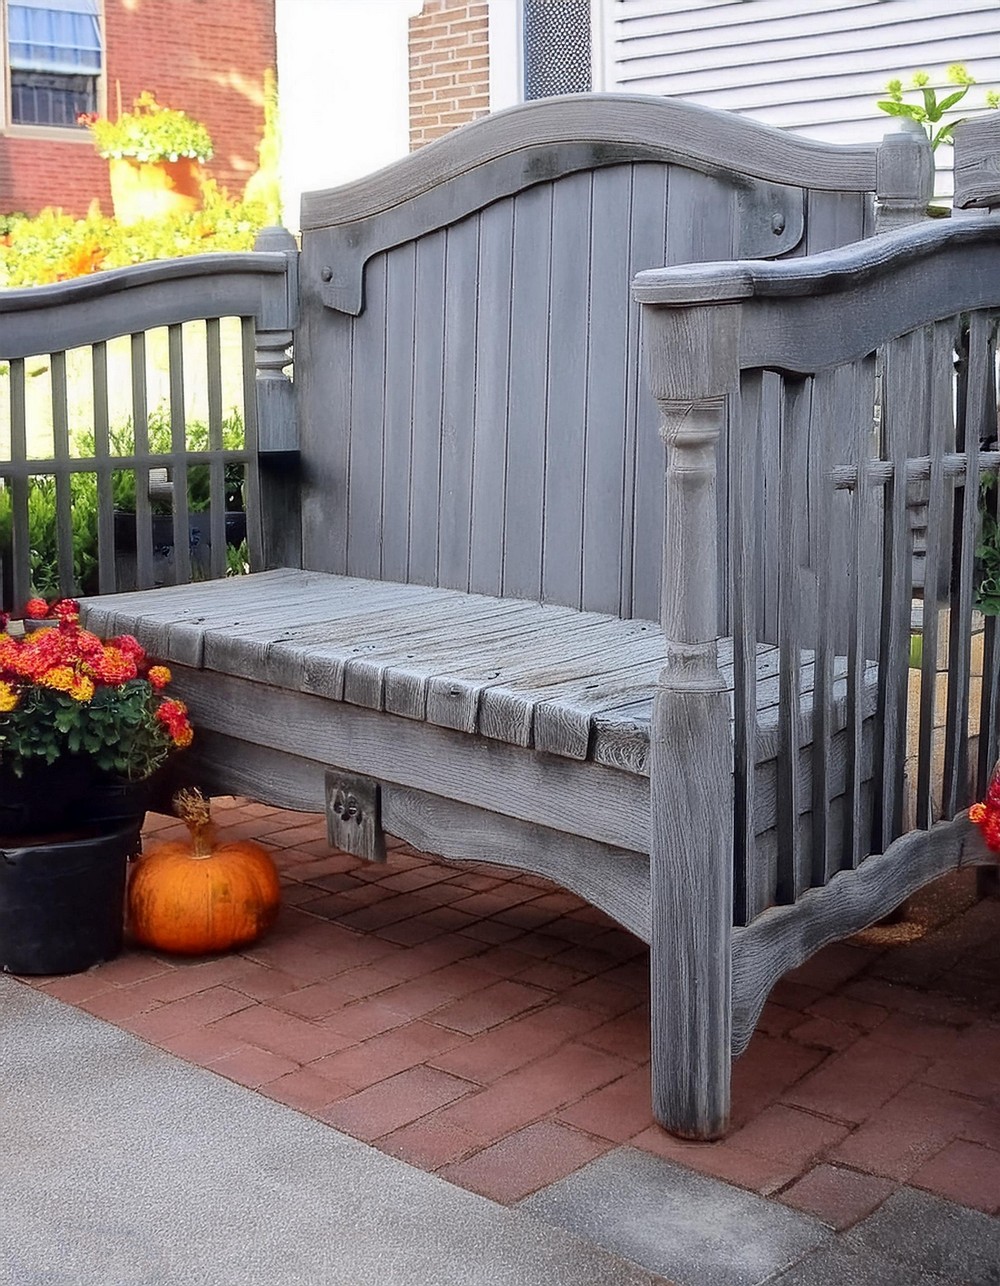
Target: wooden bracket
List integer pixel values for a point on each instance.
(772, 219)
(354, 815)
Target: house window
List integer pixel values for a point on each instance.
(54, 59)
(556, 45)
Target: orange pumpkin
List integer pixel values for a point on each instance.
(197, 896)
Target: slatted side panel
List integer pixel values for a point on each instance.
(800, 577)
(125, 464)
(977, 421)
(894, 733)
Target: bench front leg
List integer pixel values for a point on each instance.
(691, 798)
(692, 900)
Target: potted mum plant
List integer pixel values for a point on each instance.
(154, 155)
(84, 724)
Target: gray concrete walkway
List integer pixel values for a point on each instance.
(120, 1165)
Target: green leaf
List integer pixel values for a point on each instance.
(931, 108)
(902, 109)
(952, 99)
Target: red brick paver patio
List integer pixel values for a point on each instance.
(489, 1027)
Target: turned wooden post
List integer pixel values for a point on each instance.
(977, 164)
(277, 425)
(904, 177)
(690, 356)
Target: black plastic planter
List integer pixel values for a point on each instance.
(62, 899)
(69, 794)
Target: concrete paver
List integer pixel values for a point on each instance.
(704, 1233)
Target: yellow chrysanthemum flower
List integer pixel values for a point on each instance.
(82, 688)
(59, 677)
(8, 698)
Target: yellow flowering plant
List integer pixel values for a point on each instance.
(149, 132)
(65, 692)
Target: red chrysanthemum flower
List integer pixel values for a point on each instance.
(65, 609)
(130, 646)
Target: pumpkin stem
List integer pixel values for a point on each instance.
(195, 812)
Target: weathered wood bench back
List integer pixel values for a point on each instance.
(472, 406)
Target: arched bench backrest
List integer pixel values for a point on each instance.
(472, 406)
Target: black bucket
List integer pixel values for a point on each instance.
(69, 794)
(62, 899)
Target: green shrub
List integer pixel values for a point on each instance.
(53, 246)
(42, 526)
(121, 439)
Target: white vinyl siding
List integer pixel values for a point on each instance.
(816, 68)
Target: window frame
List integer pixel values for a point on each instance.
(34, 130)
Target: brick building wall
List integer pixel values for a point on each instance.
(449, 67)
(205, 57)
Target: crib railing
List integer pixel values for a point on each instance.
(147, 426)
(855, 388)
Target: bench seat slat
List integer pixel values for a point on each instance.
(574, 684)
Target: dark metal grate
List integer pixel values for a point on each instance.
(556, 37)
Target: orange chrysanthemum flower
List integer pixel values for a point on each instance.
(113, 667)
(159, 676)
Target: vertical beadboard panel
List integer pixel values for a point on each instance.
(528, 383)
(566, 409)
(608, 371)
(642, 419)
(491, 465)
(834, 219)
(326, 410)
(400, 314)
(458, 404)
(428, 359)
(364, 497)
(648, 249)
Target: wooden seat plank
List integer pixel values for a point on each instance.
(575, 684)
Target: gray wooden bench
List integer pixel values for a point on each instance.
(462, 648)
